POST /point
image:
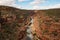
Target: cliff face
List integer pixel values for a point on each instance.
(13, 23)
(46, 25)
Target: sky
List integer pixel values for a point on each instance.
(32, 4)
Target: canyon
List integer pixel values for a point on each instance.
(14, 23)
